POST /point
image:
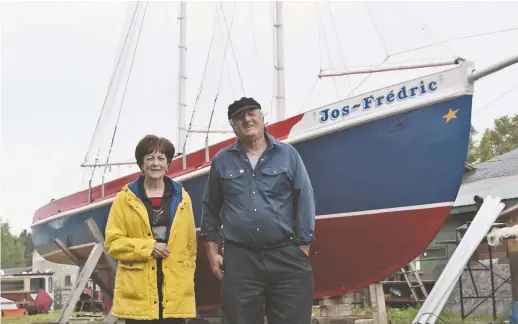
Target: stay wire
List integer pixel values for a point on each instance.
(110, 85)
(221, 72)
(203, 75)
(126, 87)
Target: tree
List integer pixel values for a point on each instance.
(13, 251)
(26, 240)
(502, 138)
(473, 153)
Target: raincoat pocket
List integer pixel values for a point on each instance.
(132, 280)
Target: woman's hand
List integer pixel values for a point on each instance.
(160, 251)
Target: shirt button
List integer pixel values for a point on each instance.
(258, 229)
(255, 209)
(253, 192)
(253, 174)
(262, 159)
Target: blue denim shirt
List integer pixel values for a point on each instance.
(263, 206)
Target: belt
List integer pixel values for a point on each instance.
(261, 246)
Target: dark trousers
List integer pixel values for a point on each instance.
(275, 282)
(161, 320)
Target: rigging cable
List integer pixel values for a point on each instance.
(227, 69)
(232, 46)
(221, 72)
(384, 47)
(125, 88)
(432, 38)
(111, 83)
(203, 75)
(327, 48)
(377, 29)
(338, 42)
(457, 38)
(309, 95)
(497, 98)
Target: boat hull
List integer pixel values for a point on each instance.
(383, 188)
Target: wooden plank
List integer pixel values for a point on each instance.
(99, 238)
(82, 279)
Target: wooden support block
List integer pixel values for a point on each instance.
(379, 312)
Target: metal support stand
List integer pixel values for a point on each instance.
(486, 216)
(460, 231)
(87, 271)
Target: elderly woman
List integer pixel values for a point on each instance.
(151, 233)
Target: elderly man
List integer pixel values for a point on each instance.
(259, 190)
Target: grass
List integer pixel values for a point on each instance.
(395, 316)
(407, 315)
(50, 317)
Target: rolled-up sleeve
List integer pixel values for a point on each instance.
(304, 202)
(211, 206)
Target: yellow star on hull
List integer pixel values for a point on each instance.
(452, 114)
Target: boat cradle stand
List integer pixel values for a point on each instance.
(87, 271)
(460, 231)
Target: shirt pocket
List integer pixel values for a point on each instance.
(275, 179)
(233, 182)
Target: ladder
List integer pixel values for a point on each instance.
(408, 271)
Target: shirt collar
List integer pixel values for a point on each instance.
(270, 142)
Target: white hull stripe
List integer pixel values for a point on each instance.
(361, 213)
(387, 210)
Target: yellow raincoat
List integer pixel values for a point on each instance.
(129, 241)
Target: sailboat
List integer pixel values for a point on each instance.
(385, 165)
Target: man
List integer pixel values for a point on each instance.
(259, 190)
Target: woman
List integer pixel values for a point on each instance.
(152, 235)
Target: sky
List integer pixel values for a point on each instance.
(57, 59)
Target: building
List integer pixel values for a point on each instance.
(497, 177)
(64, 277)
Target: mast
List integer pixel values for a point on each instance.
(182, 54)
(280, 113)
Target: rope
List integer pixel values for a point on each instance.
(497, 235)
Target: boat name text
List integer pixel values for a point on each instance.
(370, 102)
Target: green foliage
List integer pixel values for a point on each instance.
(407, 315)
(500, 139)
(16, 251)
(472, 146)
